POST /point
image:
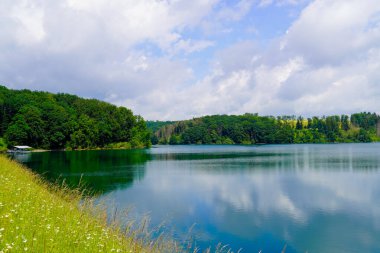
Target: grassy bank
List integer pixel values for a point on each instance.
(39, 217)
(3, 145)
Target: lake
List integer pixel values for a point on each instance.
(314, 198)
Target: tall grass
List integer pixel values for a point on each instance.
(39, 217)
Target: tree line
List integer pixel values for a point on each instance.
(57, 121)
(255, 129)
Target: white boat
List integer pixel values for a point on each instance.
(20, 149)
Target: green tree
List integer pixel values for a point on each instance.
(299, 124)
(363, 136)
(345, 122)
(32, 117)
(85, 134)
(17, 132)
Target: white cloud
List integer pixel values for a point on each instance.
(89, 47)
(119, 22)
(235, 12)
(327, 65)
(334, 32)
(30, 23)
(131, 21)
(339, 41)
(265, 3)
(150, 55)
(190, 46)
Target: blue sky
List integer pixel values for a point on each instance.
(178, 59)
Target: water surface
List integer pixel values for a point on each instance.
(314, 198)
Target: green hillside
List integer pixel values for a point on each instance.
(57, 121)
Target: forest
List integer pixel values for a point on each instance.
(62, 121)
(255, 129)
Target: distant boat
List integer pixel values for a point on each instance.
(20, 149)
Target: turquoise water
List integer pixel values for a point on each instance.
(314, 198)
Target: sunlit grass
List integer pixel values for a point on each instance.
(39, 217)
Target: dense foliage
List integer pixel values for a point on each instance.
(252, 128)
(3, 145)
(154, 126)
(56, 121)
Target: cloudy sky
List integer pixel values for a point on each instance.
(177, 59)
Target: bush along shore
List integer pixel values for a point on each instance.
(36, 216)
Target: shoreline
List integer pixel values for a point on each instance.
(206, 144)
(38, 216)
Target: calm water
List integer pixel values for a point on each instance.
(315, 198)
